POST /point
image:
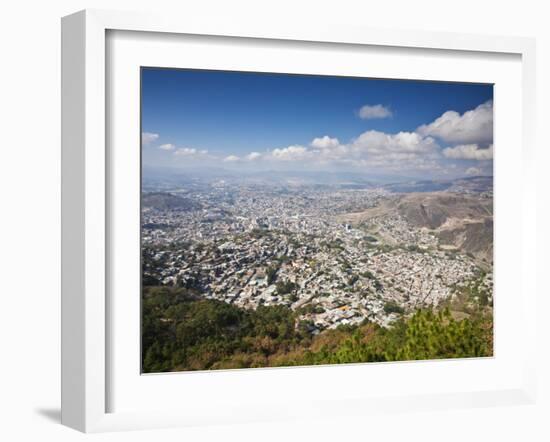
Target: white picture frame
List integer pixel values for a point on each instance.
(86, 209)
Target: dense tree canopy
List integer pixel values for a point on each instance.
(181, 331)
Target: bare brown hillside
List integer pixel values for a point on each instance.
(433, 210)
(461, 221)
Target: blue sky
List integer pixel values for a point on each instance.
(276, 121)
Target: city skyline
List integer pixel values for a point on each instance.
(245, 122)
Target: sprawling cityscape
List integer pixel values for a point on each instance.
(332, 251)
(375, 249)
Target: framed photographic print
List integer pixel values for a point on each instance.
(321, 219)
(322, 251)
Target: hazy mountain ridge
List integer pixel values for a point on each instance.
(167, 177)
(167, 201)
(475, 184)
(460, 221)
(433, 210)
(472, 237)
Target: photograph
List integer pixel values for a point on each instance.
(300, 220)
(269, 221)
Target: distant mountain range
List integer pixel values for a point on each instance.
(305, 177)
(472, 184)
(167, 201)
(168, 177)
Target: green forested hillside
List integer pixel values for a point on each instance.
(183, 332)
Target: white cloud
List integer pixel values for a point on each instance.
(469, 152)
(191, 153)
(252, 156)
(369, 112)
(148, 138)
(185, 151)
(472, 127)
(167, 146)
(231, 159)
(325, 142)
(375, 143)
(370, 149)
(400, 151)
(416, 152)
(404, 150)
(291, 153)
(473, 171)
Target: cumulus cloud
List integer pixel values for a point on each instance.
(190, 152)
(167, 146)
(231, 159)
(419, 151)
(291, 153)
(185, 151)
(473, 171)
(379, 143)
(252, 156)
(325, 142)
(148, 138)
(370, 149)
(400, 151)
(368, 112)
(469, 152)
(472, 127)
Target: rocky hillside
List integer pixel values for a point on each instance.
(474, 237)
(433, 210)
(460, 221)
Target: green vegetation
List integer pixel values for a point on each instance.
(368, 274)
(271, 274)
(478, 292)
(471, 298)
(311, 308)
(180, 331)
(392, 307)
(285, 287)
(283, 259)
(258, 233)
(377, 284)
(426, 335)
(336, 244)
